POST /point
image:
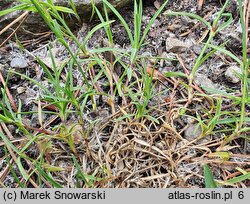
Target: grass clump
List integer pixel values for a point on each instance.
(142, 129)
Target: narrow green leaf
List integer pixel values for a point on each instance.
(121, 19)
(47, 177)
(7, 142)
(13, 172)
(209, 179)
(175, 74)
(145, 32)
(21, 169)
(79, 171)
(191, 15)
(239, 178)
(224, 51)
(16, 8)
(94, 30)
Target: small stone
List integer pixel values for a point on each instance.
(120, 165)
(175, 45)
(12, 129)
(232, 74)
(192, 132)
(20, 90)
(18, 62)
(156, 24)
(203, 81)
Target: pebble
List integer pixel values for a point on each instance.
(20, 89)
(12, 129)
(232, 74)
(18, 62)
(156, 24)
(176, 46)
(192, 132)
(203, 81)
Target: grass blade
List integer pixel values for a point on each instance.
(209, 179)
(121, 19)
(47, 177)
